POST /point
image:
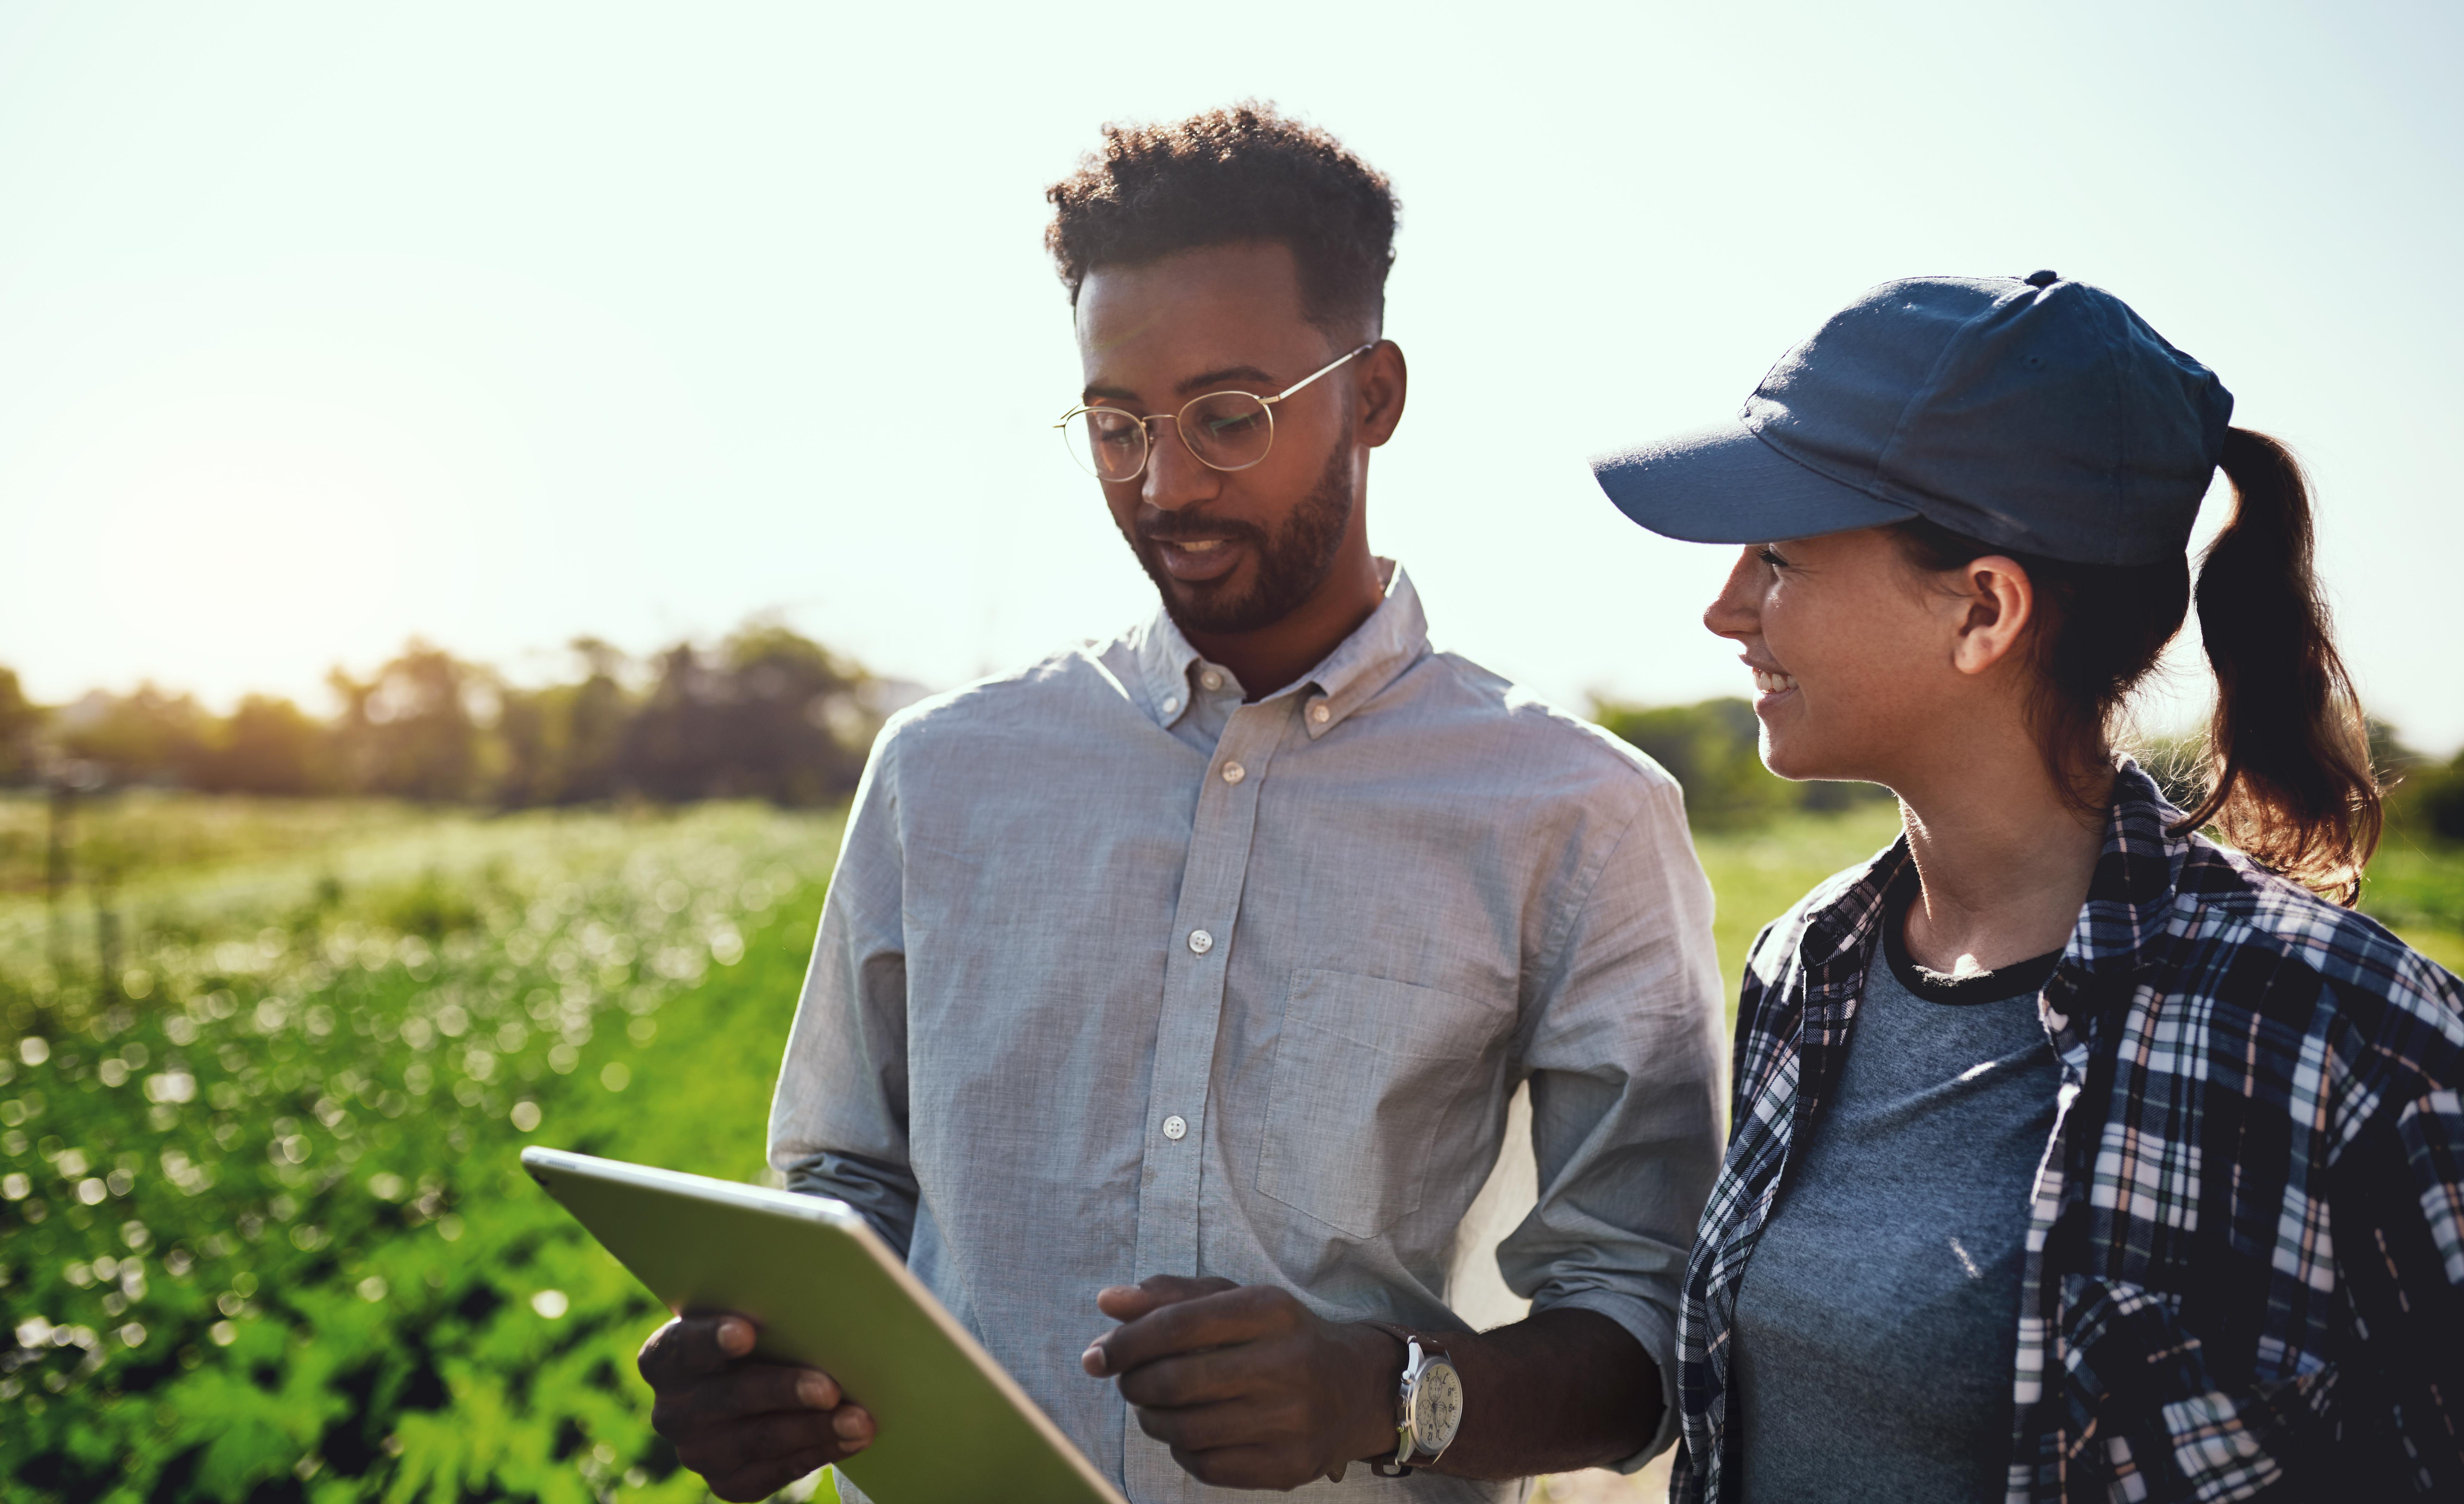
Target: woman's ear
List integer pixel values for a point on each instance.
(1997, 604)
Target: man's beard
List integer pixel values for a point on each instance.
(1291, 563)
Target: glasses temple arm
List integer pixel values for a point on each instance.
(1320, 371)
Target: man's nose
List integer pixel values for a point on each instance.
(1174, 478)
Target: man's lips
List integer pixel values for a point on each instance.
(1199, 559)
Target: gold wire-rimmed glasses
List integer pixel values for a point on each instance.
(1227, 430)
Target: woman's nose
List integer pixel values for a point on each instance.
(1735, 611)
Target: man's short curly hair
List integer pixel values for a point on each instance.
(1243, 173)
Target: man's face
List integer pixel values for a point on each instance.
(1230, 550)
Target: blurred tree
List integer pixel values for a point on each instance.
(270, 746)
(529, 727)
(772, 715)
(1713, 749)
(414, 730)
(800, 729)
(562, 744)
(2426, 801)
(672, 746)
(19, 719)
(149, 737)
(594, 724)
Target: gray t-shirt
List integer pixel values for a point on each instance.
(1878, 1321)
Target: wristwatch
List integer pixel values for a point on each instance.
(1428, 1407)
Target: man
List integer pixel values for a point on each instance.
(1183, 979)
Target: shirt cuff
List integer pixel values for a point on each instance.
(1656, 1331)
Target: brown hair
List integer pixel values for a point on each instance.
(2288, 775)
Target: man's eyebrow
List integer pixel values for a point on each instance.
(1231, 373)
(1203, 382)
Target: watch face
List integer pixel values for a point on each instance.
(1436, 1406)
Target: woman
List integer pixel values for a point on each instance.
(2075, 1155)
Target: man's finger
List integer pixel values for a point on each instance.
(691, 1347)
(1238, 1314)
(761, 1441)
(738, 1393)
(756, 1388)
(1182, 1380)
(1129, 1303)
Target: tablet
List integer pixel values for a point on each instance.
(824, 1289)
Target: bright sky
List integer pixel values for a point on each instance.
(325, 325)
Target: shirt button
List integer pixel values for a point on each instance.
(1170, 707)
(1319, 713)
(1176, 1128)
(1234, 773)
(1211, 680)
(1201, 942)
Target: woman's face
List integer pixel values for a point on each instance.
(1856, 658)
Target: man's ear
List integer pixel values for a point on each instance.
(1380, 390)
(1996, 605)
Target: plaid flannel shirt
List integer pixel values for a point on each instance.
(2245, 1264)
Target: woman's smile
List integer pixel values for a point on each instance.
(1769, 684)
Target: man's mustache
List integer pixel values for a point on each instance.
(1174, 527)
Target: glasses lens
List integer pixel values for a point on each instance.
(1107, 444)
(1229, 431)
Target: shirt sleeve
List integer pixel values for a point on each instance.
(2398, 1219)
(838, 1125)
(1623, 1057)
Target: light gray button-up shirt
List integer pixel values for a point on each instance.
(1122, 976)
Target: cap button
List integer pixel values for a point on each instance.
(2042, 279)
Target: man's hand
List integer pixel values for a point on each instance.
(749, 1428)
(1246, 1384)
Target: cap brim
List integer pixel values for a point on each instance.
(1724, 485)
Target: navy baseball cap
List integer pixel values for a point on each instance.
(2035, 414)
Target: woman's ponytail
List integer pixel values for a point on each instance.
(2288, 755)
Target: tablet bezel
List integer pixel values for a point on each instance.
(840, 1219)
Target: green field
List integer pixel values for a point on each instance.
(262, 1234)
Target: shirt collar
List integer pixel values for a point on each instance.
(2137, 875)
(1395, 636)
(1164, 658)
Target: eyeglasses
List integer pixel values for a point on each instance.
(1227, 430)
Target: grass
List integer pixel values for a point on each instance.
(262, 1233)
(1757, 875)
(2417, 890)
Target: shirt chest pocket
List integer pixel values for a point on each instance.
(1369, 1075)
